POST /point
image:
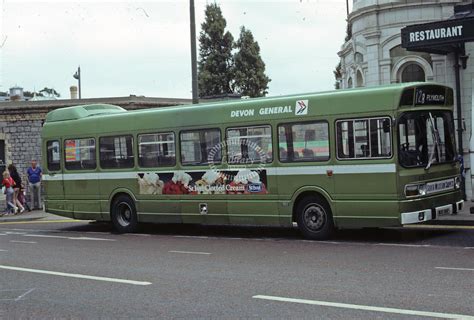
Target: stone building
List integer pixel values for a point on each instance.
(373, 54)
(21, 123)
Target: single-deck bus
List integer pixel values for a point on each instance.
(373, 157)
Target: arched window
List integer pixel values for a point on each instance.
(349, 83)
(360, 79)
(413, 72)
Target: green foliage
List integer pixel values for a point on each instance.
(31, 94)
(348, 31)
(249, 68)
(49, 92)
(338, 75)
(215, 51)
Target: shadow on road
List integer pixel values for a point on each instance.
(369, 236)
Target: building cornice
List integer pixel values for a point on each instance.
(390, 6)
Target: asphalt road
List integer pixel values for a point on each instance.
(52, 269)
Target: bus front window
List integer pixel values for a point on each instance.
(426, 138)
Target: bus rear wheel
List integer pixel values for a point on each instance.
(124, 214)
(314, 218)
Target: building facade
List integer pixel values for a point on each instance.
(373, 55)
(21, 123)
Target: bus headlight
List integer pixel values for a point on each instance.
(422, 189)
(457, 182)
(413, 190)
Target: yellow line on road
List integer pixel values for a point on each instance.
(43, 221)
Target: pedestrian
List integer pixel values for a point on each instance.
(34, 181)
(8, 184)
(22, 198)
(17, 187)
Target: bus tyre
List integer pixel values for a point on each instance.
(124, 214)
(314, 218)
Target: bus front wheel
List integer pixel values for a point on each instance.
(124, 214)
(314, 218)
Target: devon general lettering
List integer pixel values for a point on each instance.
(440, 33)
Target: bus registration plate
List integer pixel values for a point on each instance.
(444, 210)
(439, 186)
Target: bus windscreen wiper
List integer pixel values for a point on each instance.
(436, 140)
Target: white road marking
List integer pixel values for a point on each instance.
(3, 234)
(196, 237)
(76, 275)
(468, 248)
(10, 232)
(190, 252)
(3, 250)
(404, 245)
(92, 239)
(368, 308)
(459, 269)
(69, 238)
(19, 241)
(44, 236)
(24, 294)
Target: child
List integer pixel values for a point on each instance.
(21, 198)
(8, 183)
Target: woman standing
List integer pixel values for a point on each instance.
(17, 187)
(8, 184)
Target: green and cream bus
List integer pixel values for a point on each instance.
(375, 157)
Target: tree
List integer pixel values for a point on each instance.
(49, 92)
(249, 68)
(215, 52)
(31, 94)
(338, 75)
(348, 31)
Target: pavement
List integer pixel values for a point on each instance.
(27, 216)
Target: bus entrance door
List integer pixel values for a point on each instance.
(53, 179)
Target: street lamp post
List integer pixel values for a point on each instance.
(193, 53)
(77, 76)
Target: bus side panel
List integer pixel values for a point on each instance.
(366, 199)
(260, 208)
(158, 209)
(83, 196)
(289, 182)
(193, 211)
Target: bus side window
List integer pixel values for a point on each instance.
(116, 152)
(200, 147)
(363, 138)
(249, 144)
(53, 155)
(80, 154)
(299, 142)
(156, 150)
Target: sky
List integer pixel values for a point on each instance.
(143, 48)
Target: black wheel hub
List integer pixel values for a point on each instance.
(314, 217)
(124, 214)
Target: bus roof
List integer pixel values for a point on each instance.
(99, 118)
